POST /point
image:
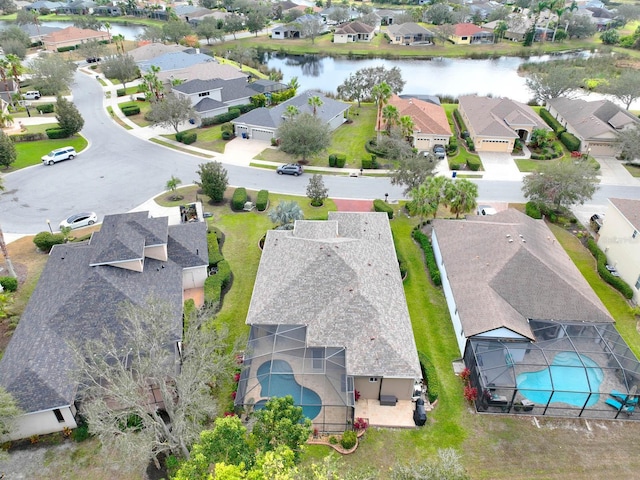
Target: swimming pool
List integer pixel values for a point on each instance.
(571, 381)
(277, 380)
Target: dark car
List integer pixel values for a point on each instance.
(419, 414)
(289, 169)
(439, 151)
(596, 221)
(93, 59)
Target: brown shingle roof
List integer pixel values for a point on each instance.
(630, 209)
(507, 269)
(355, 27)
(466, 29)
(73, 34)
(427, 117)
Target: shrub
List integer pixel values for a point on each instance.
(341, 160)
(532, 210)
(213, 248)
(9, 284)
(429, 256)
(121, 92)
(239, 198)
(461, 125)
(570, 141)
(214, 284)
(470, 144)
(430, 377)
(452, 146)
(189, 137)
(601, 259)
(474, 163)
(262, 200)
(130, 110)
(227, 127)
(28, 137)
(454, 166)
(45, 108)
(179, 136)
(46, 240)
(66, 49)
(402, 263)
(332, 160)
(225, 117)
(226, 135)
(54, 133)
(382, 206)
(349, 439)
(333, 440)
(81, 433)
(552, 122)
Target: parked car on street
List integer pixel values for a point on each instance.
(79, 220)
(59, 154)
(31, 95)
(290, 169)
(93, 59)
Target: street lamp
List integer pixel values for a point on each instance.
(386, 197)
(49, 223)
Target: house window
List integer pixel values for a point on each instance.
(373, 379)
(204, 94)
(635, 234)
(58, 414)
(638, 283)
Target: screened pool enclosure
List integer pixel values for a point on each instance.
(572, 370)
(278, 362)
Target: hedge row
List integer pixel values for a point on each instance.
(45, 108)
(382, 206)
(222, 118)
(337, 160)
(187, 137)
(54, 133)
(370, 163)
(28, 137)
(470, 144)
(279, 97)
(121, 92)
(67, 49)
(46, 240)
(474, 164)
(430, 377)
(458, 117)
(452, 147)
(213, 247)
(262, 200)
(130, 110)
(570, 141)
(429, 256)
(9, 284)
(214, 284)
(615, 282)
(552, 122)
(239, 198)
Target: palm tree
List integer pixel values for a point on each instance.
(391, 116)
(436, 191)
(294, 84)
(15, 67)
(3, 248)
(172, 184)
(407, 126)
(315, 102)
(119, 41)
(461, 196)
(4, 69)
(152, 84)
(285, 213)
(381, 93)
(561, 10)
(420, 204)
(291, 111)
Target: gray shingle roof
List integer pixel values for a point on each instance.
(497, 283)
(74, 302)
(202, 71)
(630, 209)
(409, 28)
(230, 90)
(152, 50)
(341, 279)
(273, 117)
(498, 117)
(174, 61)
(593, 119)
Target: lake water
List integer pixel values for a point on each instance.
(130, 32)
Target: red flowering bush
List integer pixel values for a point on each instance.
(360, 424)
(236, 377)
(356, 394)
(470, 393)
(233, 395)
(465, 375)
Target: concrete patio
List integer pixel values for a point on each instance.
(400, 416)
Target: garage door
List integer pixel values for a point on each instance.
(240, 130)
(264, 135)
(604, 149)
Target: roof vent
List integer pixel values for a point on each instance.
(508, 235)
(524, 241)
(521, 236)
(511, 240)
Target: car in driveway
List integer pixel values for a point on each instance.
(290, 169)
(59, 154)
(596, 221)
(79, 220)
(439, 151)
(486, 210)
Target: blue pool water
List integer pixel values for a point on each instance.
(281, 383)
(569, 383)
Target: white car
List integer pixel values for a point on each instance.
(59, 154)
(79, 220)
(31, 95)
(486, 210)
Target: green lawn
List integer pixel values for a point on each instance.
(210, 138)
(633, 169)
(29, 153)
(139, 118)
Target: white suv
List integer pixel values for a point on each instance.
(31, 95)
(64, 153)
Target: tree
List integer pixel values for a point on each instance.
(151, 84)
(213, 180)
(316, 191)
(175, 30)
(172, 184)
(448, 466)
(68, 116)
(625, 87)
(118, 371)
(88, 22)
(122, 68)
(8, 153)
(437, 192)
(500, 30)
(340, 15)
(26, 17)
(171, 111)
(256, 21)
(438, 14)
(15, 68)
(294, 84)
(556, 82)
(303, 136)
(391, 116)
(381, 94)
(359, 85)
(13, 32)
(9, 410)
(561, 184)
(461, 195)
(92, 49)
(312, 28)
(233, 24)
(626, 12)
(285, 214)
(610, 37)
(420, 203)
(629, 143)
(315, 102)
(540, 138)
(152, 33)
(281, 423)
(407, 126)
(579, 26)
(14, 47)
(413, 170)
(208, 28)
(4, 74)
(51, 74)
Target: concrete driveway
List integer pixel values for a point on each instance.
(240, 151)
(612, 172)
(500, 166)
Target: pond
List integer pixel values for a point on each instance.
(130, 32)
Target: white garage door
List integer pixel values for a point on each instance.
(605, 149)
(264, 135)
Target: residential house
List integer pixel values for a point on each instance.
(348, 333)
(387, 16)
(43, 4)
(281, 32)
(198, 16)
(78, 7)
(8, 90)
(529, 327)
(71, 37)
(620, 240)
(38, 32)
(216, 96)
(430, 124)
(494, 124)
(175, 61)
(468, 33)
(262, 123)
(408, 34)
(517, 27)
(131, 259)
(352, 14)
(354, 32)
(148, 51)
(108, 10)
(208, 70)
(596, 124)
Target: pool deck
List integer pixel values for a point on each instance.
(400, 416)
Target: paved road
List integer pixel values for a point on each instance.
(120, 171)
